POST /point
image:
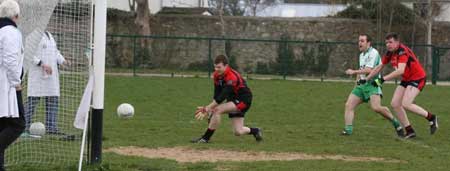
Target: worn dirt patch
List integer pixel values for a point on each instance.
(189, 155)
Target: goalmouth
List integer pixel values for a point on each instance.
(78, 28)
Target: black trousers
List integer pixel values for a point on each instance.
(10, 129)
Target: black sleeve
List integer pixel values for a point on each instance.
(217, 90)
(226, 91)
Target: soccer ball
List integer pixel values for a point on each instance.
(37, 128)
(125, 110)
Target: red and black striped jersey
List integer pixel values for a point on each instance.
(413, 70)
(229, 79)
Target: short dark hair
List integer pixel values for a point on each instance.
(221, 59)
(368, 38)
(392, 35)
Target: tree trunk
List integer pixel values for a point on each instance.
(143, 20)
(222, 21)
(413, 33)
(391, 17)
(379, 22)
(253, 6)
(143, 17)
(132, 5)
(429, 30)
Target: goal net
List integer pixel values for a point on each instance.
(57, 34)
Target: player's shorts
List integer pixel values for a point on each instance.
(365, 91)
(419, 84)
(243, 103)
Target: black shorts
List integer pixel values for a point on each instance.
(243, 103)
(419, 84)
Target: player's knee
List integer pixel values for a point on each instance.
(406, 104)
(348, 106)
(215, 118)
(214, 113)
(396, 105)
(217, 111)
(377, 109)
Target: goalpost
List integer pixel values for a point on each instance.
(99, 79)
(80, 38)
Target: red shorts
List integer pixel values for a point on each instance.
(420, 84)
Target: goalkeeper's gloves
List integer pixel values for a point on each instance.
(201, 113)
(361, 81)
(378, 82)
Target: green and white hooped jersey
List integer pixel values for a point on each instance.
(370, 58)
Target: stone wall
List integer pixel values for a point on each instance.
(313, 29)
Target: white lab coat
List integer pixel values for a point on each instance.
(40, 83)
(11, 63)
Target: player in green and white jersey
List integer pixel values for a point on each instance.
(364, 91)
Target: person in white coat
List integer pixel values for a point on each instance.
(11, 62)
(43, 82)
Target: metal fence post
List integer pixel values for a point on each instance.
(134, 55)
(284, 58)
(209, 57)
(435, 63)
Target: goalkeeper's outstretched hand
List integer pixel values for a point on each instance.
(201, 113)
(378, 82)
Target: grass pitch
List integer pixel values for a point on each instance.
(297, 117)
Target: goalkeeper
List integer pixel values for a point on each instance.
(230, 86)
(369, 58)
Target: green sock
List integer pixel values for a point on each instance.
(395, 123)
(348, 129)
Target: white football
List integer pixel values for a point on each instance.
(37, 128)
(125, 110)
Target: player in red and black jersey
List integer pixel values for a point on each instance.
(232, 97)
(406, 65)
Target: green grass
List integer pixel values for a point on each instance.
(296, 117)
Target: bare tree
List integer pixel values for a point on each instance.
(241, 7)
(142, 22)
(391, 17)
(132, 5)
(429, 10)
(259, 5)
(228, 7)
(222, 21)
(429, 19)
